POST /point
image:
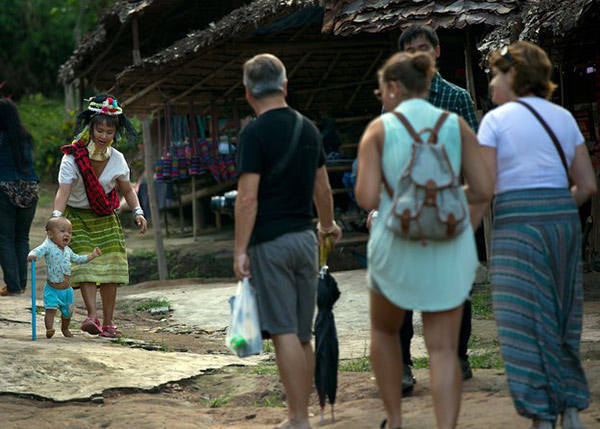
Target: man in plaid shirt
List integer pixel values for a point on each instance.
(445, 95)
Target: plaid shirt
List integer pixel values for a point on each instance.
(448, 96)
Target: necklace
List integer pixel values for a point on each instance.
(97, 153)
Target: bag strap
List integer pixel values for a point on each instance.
(561, 153)
(283, 162)
(416, 136)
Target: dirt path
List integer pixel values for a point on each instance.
(171, 325)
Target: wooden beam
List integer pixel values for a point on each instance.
(155, 84)
(364, 78)
(299, 64)
(323, 79)
(203, 81)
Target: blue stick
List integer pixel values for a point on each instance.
(33, 306)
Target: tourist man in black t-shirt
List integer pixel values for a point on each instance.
(282, 172)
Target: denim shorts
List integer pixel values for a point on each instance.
(59, 299)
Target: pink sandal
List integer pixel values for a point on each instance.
(111, 331)
(91, 326)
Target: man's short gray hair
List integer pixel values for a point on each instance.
(264, 75)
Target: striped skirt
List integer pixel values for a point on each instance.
(537, 295)
(105, 232)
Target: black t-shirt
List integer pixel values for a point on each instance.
(285, 202)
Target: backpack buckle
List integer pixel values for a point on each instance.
(430, 191)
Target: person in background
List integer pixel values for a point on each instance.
(90, 171)
(282, 171)
(405, 274)
(19, 191)
(58, 293)
(533, 148)
(447, 96)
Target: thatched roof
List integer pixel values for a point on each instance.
(544, 21)
(236, 26)
(160, 23)
(348, 17)
(208, 62)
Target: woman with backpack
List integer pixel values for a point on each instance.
(19, 193)
(534, 149)
(407, 268)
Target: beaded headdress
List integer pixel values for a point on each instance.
(106, 104)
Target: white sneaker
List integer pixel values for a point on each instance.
(570, 419)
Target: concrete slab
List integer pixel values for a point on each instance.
(64, 369)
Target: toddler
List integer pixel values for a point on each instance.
(58, 294)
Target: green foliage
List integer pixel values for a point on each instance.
(51, 128)
(38, 36)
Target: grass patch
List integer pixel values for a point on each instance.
(271, 400)
(420, 363)
(481, 303)
(148, 304)
(216, 402)
(486, 360)
(264, 368)
(362, 364)
(268, 346)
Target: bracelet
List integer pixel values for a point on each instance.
(327, 230)
(57, 213)
(138, 211)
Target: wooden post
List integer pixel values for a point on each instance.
(161, 257)
(137, 57)
(469, 67)
(178, 185)
(194, 209)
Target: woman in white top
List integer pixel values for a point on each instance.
(90, 173)
(536, 241)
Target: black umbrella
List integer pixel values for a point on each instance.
(326, 341)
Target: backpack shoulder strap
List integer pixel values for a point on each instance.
(408, 127)
(436, 129)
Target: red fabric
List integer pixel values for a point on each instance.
(101, 203)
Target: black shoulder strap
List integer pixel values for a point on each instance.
(550, 133)
(283, 162)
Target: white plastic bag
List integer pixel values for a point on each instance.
(243, 334)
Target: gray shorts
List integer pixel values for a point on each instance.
(285, 275)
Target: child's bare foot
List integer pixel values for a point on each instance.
(64, 326)
(50, 333)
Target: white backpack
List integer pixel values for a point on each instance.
(428, 203)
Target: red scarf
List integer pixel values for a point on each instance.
(101, 203)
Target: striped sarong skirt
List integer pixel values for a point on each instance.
(105, 232)
(536, 274)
